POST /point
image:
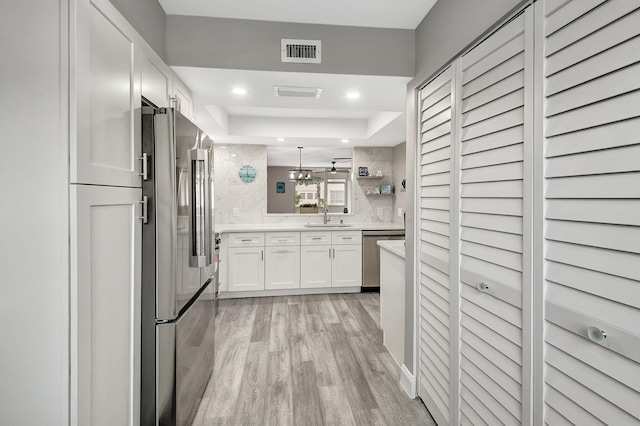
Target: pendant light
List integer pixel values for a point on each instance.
(333, 169)
(300, 174)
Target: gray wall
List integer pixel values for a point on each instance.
(34, 183)
(280, 203)
(443, 34)
(255, 45)
(148, 18)
(399, 173)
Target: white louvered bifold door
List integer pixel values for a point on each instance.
(494, 261)
(436, 214)
(592, 217)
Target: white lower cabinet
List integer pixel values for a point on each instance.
(246, 268)
(105, 298)
(315, 266)
(293, 260)
(346, 268)
(282, 268)
(331, 265)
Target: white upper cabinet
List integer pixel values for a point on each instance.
(182, 98)
(157, 78)
(105, 97)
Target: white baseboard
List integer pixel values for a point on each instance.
(408, 381)
(287, 292)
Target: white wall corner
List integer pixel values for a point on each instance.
(408, 382)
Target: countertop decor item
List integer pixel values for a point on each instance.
(247, 173)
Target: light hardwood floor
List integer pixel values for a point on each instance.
(306, 361)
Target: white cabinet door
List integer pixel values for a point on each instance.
(105, 97)
(495, 225)
(183, 100)
(282, 267)
(346, 268)
(436, 384)
(246, 269)
(315, 269)
(105, 305)
(592, 214)
(157, 78)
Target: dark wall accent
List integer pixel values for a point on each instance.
(255, 45)
(149, 19)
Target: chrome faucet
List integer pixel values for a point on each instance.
(325, 219)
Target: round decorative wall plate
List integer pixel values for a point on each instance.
(247, 173)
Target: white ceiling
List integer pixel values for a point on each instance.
(375, 119)
(405, 14)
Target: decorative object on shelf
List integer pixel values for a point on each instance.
(300, 174)
(373, 191)
(247, 173)
(308, 208)
(280, 187)
(363, 171)
(404, 184)
(386, 189)
(333, 168)
(379, 173)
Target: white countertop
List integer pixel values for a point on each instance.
(268, 227)
(394, 246)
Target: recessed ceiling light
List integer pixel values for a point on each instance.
(353, 95)
(280, 139)
(233, 155)
(239, 91)
(345, 140)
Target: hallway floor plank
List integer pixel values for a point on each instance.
(305, 361)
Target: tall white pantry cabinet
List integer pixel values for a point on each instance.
(529, 222)
(111, 68)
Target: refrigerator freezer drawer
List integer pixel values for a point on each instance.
(185, 354)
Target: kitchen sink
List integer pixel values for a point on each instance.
(327, 225)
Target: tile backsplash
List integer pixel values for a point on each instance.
(249, 198)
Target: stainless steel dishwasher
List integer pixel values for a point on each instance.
(371, 256)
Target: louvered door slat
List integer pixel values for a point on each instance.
(502, 139)
(597, 18)
(609, 61)
(511, 386)
(502, 88)
(622, 133)
(592, 273)
(435, 245)
(612, 34)
(623, 370)
(491, 231)
(596, 42)
(553, 418)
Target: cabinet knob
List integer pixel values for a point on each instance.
(483, 287)
(596, 334)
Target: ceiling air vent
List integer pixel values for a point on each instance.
(300, 51)
(297, 92)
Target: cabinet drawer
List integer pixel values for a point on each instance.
(346, 237)
(242, 239)
(313, 238)
(282, 239)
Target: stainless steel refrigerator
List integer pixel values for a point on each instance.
(179, 267)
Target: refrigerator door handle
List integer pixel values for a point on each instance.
(207, 212)
(198, 228)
